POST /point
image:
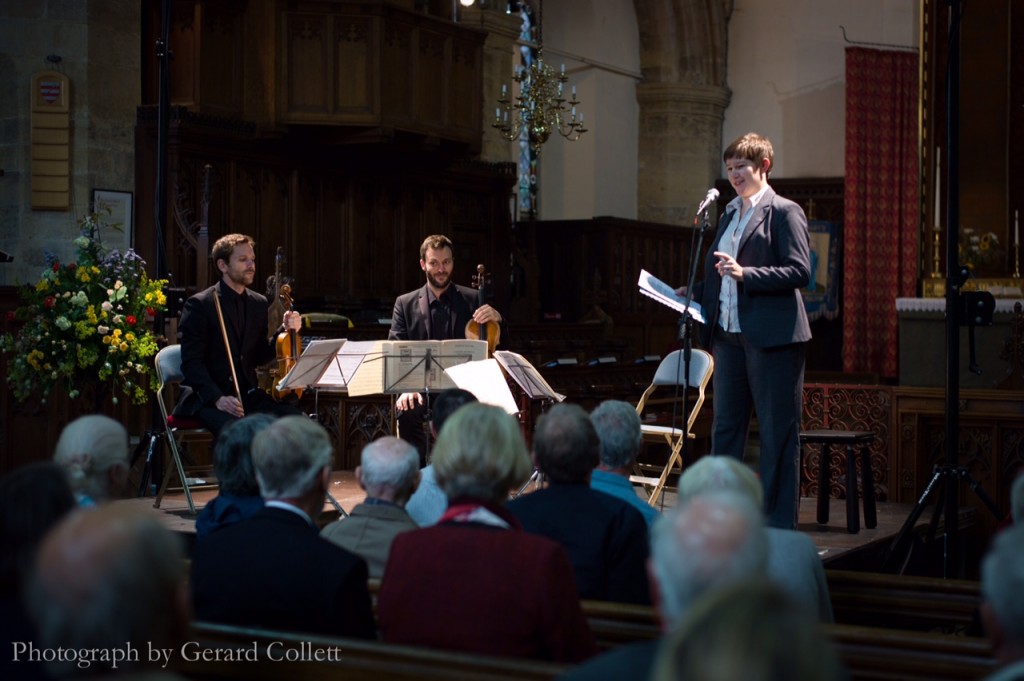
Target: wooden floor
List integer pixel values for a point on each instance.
(837, 547)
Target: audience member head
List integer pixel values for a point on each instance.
(389, 469)
(1017, 499)
(93, 451)
(1002, 587)
(749, 631)
(618, 430)
(446, 404)
(292, 457)
(565, 444)
(720, 473)
(33, 498)
(106, 578)
(480, 453)
(707, 541)
(232, 456)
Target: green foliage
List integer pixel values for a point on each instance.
(87, 320)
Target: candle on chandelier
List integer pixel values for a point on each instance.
(1016, 228)
(503, 90)
(938, 186)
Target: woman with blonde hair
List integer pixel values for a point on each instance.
(476, 581)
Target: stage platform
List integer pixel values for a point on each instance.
(837, 547)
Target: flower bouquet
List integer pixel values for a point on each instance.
(87, 321)
(979, 249)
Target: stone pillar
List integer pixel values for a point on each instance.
(680, 148)
(499, 58)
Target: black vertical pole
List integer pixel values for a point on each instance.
(163, 130)
(954, 280)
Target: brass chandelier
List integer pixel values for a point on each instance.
(540, 107)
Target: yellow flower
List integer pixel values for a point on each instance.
(129, 337)
(106, 340)
(123, 347)
(33, 359)
(83, 275)
(43, 285)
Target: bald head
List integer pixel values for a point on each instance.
(107, 576)
(710, 540)
(389, 470)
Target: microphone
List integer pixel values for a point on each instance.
(711, 197)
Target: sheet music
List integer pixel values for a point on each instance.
(310, 367)
(485, 380)
(369, 374)
(351, 356)
(655, 288)
(526, 376)
(401, 366)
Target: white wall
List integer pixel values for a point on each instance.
(786, 65)
(596, 175)
(786, 68)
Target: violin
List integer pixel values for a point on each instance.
(288, 346)
(491, 331)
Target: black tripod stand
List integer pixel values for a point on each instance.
(150, 444)
(972, 307)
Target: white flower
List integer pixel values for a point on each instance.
(103, 330)
(62, 323)
(107, 307)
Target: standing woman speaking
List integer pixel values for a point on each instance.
(757, 326)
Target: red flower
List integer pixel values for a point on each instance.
(151, 312)
(11, 316)
(130, 319)
(49, 302)
(56, 267)
(72, 266)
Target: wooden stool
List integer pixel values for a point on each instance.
(850, 438)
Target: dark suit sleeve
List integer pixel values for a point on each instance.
(352, 603)
(399, 325)
(195, 337)
(266, 350)
(627, 559)
(791, 251)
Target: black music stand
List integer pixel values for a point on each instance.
(534, 387)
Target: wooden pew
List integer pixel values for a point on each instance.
(903, 602)
(263, 655)
(875, 653)
(867, 652)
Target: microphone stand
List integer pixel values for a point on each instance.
(686, 337)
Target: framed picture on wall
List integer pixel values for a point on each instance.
(114, 212)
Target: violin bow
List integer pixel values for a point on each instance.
(227, 345)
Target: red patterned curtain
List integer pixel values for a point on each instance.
(881, 204)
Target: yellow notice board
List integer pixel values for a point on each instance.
(51, 141)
